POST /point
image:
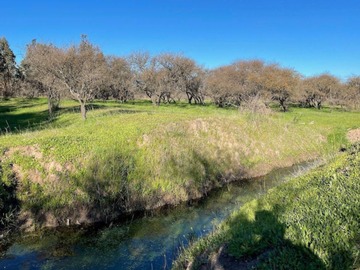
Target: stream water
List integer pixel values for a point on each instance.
(152, 241)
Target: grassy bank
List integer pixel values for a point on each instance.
(128, 157)
(311, 222)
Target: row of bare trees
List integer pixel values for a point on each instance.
(76, 71)
(83, 72)
(235, 84)
(167, 77)
(244, 80)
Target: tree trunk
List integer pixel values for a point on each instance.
(6, 93)
(154, 100)
(50, 107)
(283, 105)
(190, 97)
(319, 105)
(83, 109)
(53, 102)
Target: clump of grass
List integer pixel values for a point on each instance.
(311, 222)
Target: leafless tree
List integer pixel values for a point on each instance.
(351, 93)
(183, 75)
(165, 77)
(150, 77)
(38, 70)
(236, 83)
(119, 80)
(222, 86)
(317, 89)
(280, 83)
(80, 69)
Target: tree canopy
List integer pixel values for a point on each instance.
(8, 68)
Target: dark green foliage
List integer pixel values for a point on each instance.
(8, 69)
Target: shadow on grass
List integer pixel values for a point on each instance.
(76, 108)
(14, 119)
(105, 184)
(203, 173)
(120, 111)
(14, 123)
(261, 244)
(7, 106)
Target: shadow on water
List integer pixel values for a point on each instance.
(151, 241)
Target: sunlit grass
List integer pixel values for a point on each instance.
(311, 222)
(133, 156)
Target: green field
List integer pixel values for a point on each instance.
(311, 222)
(135, 156)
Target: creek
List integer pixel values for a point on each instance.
(150, 241)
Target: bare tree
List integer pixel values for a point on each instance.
(183, 75)
(236, 83)
(317, 89)
(119, 79)
(80, 69)
(281, 84)
(351, 93)
(221, 84)
(250, 78)
(38, 68)
(167, 76)
(150, 78)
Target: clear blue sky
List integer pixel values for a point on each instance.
(309, 36)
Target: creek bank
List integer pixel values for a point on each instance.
(153, 239)
(181, 162)
(83, 215)
(310, 222)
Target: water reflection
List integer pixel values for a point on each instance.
(150, 242)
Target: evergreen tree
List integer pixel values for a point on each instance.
(8, 69)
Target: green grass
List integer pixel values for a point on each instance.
(311, 222)
(126, 157)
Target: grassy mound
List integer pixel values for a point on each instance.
(311, 222)
(128, 157)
